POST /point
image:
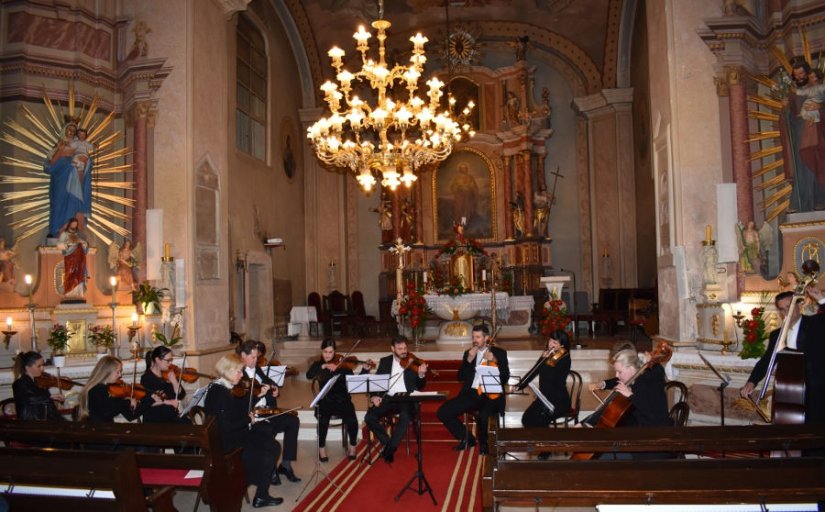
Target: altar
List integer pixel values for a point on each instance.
(455, 314)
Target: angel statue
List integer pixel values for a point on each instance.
(124, 261)
(8, 262)
(749, 250)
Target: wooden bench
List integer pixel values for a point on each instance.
(222, 486)
(692, 480)
(34, 480)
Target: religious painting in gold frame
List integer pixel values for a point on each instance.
(464, 188)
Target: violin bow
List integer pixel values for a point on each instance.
(134, 374)
(348, 352)
(180, 381)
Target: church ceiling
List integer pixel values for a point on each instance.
(585, 23)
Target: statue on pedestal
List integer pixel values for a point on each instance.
(8, 260)
(74, 248)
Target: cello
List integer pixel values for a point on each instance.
(616, 405)
(789, 379)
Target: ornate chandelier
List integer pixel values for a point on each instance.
(398, 135)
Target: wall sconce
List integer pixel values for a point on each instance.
(8, 333)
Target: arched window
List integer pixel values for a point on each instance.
(251, 82)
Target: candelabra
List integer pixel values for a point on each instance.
(7, 334)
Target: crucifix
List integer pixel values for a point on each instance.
(556, 175)
(399, 249)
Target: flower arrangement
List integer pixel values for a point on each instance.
(58, 340)
(102, 336)
(471, 245)
(175, 337)
(148, 297)
(414, 309)
(454, 288)
(754, 332)
(555, 317)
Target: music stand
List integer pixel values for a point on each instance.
(724, 382)
(543, 399)
(276, 373)
(316, 405)
(416, 398)
(197, 398)
(368, 383)
(490, 379)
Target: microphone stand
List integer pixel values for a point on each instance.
(574, 308)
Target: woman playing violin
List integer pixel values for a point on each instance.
(552, 383)
(260, 450)
(97, 405)
(158, 380)
(31, 401)
(338, 401)
(646, 393)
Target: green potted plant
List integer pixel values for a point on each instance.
(59, 336)
(148, 297)
(172, 340)
(103, 337)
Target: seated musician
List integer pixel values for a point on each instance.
(260, 450)
(552, 384)
(646, 393)
(30, 400)
(159, 381)
(402, 380)
(472, 396)
(97, 405)
(249, 352)
(337, 402)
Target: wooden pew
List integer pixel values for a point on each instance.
(34, 480)
(694, 480)
(222, 486)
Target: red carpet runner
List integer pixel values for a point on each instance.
(455, 477)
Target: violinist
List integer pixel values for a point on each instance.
(259, 449)
(158, 380)
(97, 405)
(552, 383)
(249, 352)
(338, 401)
(472, 396)
(402, 380)
(31, 401)
(646, 393)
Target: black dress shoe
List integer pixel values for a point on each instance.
(288, 473)
(267, 501)
(388, 454)
(464, 444)
(483, 450)
(323, 459)
(351, 457)
(276, 480)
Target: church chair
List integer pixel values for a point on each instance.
(574, 387)
(316, 387)
(364, 325)
(314, 300)
(338, 311)
(676, 392)
(679, 413)
(7, 408)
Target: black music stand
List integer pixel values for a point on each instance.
(318, 471)
(362, 384)
(423, 485)
(724, 382)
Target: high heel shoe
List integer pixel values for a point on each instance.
(323, 458)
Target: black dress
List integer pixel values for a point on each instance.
(649, 400)
(553, 385)
(33, 402)
(160, 413)
(337, 402)
(260, 450)
(104, 408)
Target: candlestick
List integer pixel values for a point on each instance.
(708, 236)
(28, 280)
(134, 319)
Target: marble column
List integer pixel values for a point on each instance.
(506, 162)
(142, 118)
(738, 108)
(527, 170)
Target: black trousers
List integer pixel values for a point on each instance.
(289, 425)
(374, 414)
(344, 410)
(468, 400)
(260, 454)
(537, 415)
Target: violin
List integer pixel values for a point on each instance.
(188, 375)
(555, 356)
(120, 389)
(243, 387)
(47, 380)
(492, 364)
(290, 370)
(273, 411)
(550, 360)
(348, 363)
(413, 363)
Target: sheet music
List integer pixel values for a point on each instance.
(376, 382)
(276, 373)
(490, 379)
(543, 399)
(197, 399)
(324, 390)
(425, 393)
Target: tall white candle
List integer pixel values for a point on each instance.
(8, 323)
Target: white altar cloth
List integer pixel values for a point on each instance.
(467, 306)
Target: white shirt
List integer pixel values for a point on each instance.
(397, 384)
(793, 333)
(479, 359)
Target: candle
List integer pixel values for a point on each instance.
(425, 277)
(167, 251)
(113, 281)
(708, 236)
(134, 319)
(605, 255)
(28, 279)
(484, 274)
(8, 323)
(463, 221)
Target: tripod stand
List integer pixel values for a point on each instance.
(423, 484)
(316, 475)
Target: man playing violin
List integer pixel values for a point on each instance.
(249, 351)
(338, 401)
(402, 380)
(472, 396)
